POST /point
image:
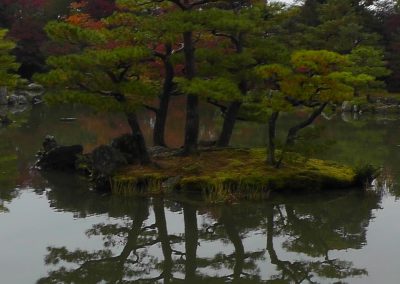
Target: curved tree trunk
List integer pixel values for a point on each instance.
(161, 113)
(234, 107)
(229, 124)
(144, 156)
(292, 133)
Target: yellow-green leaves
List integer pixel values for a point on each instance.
(318, 61)
(218, 89)
(62, 32)
(273, 71)
(315, 76)
(8, 66)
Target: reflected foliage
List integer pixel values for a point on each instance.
(147, 241)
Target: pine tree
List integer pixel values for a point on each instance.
(314, 79)
(236, 39)
(8, 65)
(100, 74)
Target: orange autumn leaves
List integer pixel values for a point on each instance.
(78, 17)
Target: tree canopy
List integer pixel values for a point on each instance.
(8, 64)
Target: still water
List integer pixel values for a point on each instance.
(54, 229)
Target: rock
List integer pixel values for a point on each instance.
(61, 158)
(126, 145)
(3, 96)
(32, 97)
(49, 143)
(160, 151)
(17, 100)
(346, 106)
(35, 87)
(36, 100)
(106, 160)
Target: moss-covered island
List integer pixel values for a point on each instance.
(223, 175)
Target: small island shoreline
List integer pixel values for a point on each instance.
(229, 174)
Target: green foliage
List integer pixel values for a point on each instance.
(8, 65)
(219, 88)
(314, 76)
(65, 33)
(115, 72)
(370, 61)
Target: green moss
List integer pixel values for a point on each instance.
(232, 174)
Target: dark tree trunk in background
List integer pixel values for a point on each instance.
(139, 139)
(162, 112)
(192, 104)
(271, 160)
(229, 124)
(233, 109)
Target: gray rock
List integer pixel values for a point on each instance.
(346, 106)
(35, 87)
(163, 152)
(17, 100)
(32, 97)
(106, 160)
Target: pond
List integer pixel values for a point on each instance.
(55, 229)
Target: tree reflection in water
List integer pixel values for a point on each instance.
(147, 246)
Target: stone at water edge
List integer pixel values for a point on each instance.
(49, 143)
(35, 87)
(17, 100)
(105, 160)
(347, 106)
(126, 145)
(62, 158)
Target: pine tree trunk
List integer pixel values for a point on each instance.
(229, 124)
(271, 160)
(162, 112)
(293, 131)
(144, 156)
(234, 107)
(192, 104)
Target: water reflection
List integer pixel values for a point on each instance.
(288, 241)
(285, 240)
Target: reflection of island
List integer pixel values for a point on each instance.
(140, 246)
(315, 229)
